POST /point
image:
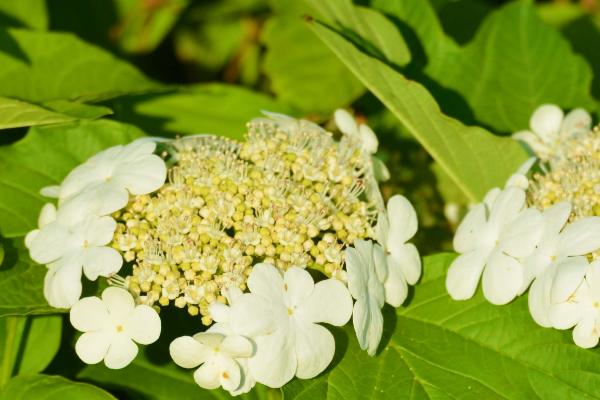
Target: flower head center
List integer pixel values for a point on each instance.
(119, 328)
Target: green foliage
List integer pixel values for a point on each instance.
(45, 387)
(16, 114)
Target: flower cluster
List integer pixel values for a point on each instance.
(227, 230)
(542, 230)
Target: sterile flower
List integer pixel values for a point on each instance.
(68, 247)
(367, 274)
(394, 228)
(112, 174)
(549, 127)
(281, 314)
(559, 241)
(574, 296)
(495, 233)
(218, 354)
(111, 327)
(360, 132)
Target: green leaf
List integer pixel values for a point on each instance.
(44, 157)
(29, 13)
(16, 114)
(78, 110)
(28, 344)
(44, 387)
(44, 66)
(439, 348)
(514, 63)
(475, 159)
(303, 72)
(212, 108)
(22, 283)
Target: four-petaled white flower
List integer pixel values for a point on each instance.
(367, 274)
(491, 239)
(281, 315)
(68, 247)
(359, 132)
(218, 353)
(394, 228)
(559, 241)
(111, 327)
(112, 174)
(550, 127)
(573, 298)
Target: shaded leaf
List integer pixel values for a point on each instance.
(44, 387)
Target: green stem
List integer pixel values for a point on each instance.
(12, 324)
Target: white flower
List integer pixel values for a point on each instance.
(68, 247)
(574, 299)
(549, 127)
(367, 272)
(495, 233)
(394, 228)
(360, 132)
(111, 325)
(559, 241)
(281, 314)
(112, 174)
(218, 353)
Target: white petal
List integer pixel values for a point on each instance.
(188, 352)
(99, 231)
(121, 352)
(89, 314)
(345, 122)
(564, 315)
(585, 333)
(298, 286)
(382, 228)
(92, 347)
(274, 363)
(49, 244)
(47, 215)
(518, 180)
(237, 346)
(119, 303)
(380, 170)
(314, 347)
(219, 312)
(50, 191)
(232, 293)
(357, 267)
(379, 262)
(576, 122)
(141, 176)
(526, 166)
(580, 237)
(502, 279)
(402, 219)
(62, 284)
(546, 121)
(208, 376)
(368, 324)
(266, 281)
(468, 232)
(539, 297)
(463, 275)
(101, 261)
(395, 285)
(143, 325)
(407, 258)
(329, 302)
(507, 206)
(521, 236)
(556, 217)
(230, 376)
(252, 315)
(491, 196)
(30, 236)
(569, 276)
(368, 139)
(533, 141)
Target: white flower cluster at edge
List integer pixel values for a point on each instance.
(510, 245)
(72, 238)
